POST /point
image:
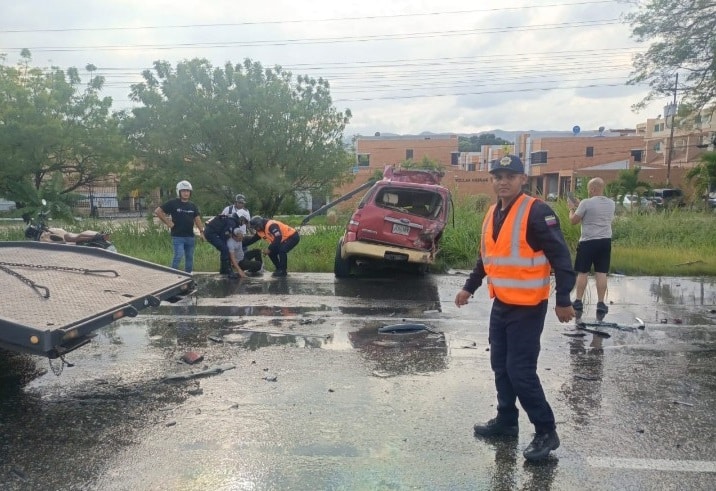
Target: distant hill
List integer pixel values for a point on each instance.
(512, 135)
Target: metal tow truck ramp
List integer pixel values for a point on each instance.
(53, 296)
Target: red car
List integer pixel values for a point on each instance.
(398, 223)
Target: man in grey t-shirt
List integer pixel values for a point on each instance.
(596, 214)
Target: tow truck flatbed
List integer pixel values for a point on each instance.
(54, 296)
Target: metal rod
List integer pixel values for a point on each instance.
(671, 136)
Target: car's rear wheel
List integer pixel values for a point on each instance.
(342, 267)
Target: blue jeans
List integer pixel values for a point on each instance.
(183, 248)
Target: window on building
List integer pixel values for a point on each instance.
(454, 158)
(409, 154)
(657, 146)
(658, 127)
(590, 152)
(636, 154)
(537, 158)
(363, 160)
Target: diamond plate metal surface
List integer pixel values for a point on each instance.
(74, 296)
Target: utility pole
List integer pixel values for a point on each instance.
(671, 136)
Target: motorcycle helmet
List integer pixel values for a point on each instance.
(183, 185)
(239, 198)
(257, 223)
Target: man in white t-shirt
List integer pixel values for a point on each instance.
(596, 214)
(239, 207)
(242, 261)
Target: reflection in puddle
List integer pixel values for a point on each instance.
(218, 287)
(583, 390)
(16, 371)
(401, 353)
(253, 340)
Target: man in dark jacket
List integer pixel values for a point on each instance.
(521, 242)
(217, 232)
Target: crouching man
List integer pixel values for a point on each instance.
(241, 261)
(281, 239)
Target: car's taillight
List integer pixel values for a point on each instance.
(353, 223)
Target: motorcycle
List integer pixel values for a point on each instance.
(38, 230)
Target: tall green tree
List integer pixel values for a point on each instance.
(57, 134)
(474, 143)
(237, 128)
(425, 164)
(682, 34)
(627, 183)
(703, 175)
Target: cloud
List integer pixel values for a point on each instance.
(400, 66)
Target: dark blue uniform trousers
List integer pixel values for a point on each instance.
(279, 254)
(218, 240)
(515, 333)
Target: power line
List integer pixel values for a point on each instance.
(299, 21)
(327, 40)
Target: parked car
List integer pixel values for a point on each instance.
(712, 200)
(634, 202)
(667, 198)
(398, 223)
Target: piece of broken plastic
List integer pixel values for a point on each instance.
(192, 357)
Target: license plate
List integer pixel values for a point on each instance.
(401, 229)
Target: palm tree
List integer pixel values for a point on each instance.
(703, 175)
(628, 183)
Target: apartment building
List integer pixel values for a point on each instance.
(555, 164)
(377, 151)
(465, 174)
(688, 139)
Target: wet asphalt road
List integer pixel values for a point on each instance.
(312, 396)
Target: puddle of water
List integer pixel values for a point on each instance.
(244, 310)
(220, 287)
(401, 353)
(378, 287)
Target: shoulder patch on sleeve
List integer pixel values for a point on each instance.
(550, 220)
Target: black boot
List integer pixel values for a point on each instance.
(542, 444)
(225, 267)
(495, 427)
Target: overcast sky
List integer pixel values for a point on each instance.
(400, 66)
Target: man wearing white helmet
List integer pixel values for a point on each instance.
(181, 215)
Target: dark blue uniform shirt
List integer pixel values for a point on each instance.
(543, 234)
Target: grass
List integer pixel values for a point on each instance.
(673, 243)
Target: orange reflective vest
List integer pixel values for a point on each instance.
(516, 274)
(286, 231)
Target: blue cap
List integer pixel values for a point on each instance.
(510, 163)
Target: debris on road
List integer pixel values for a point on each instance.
(403, 328)
(585, 377)
(203, 373)
(192, 357)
